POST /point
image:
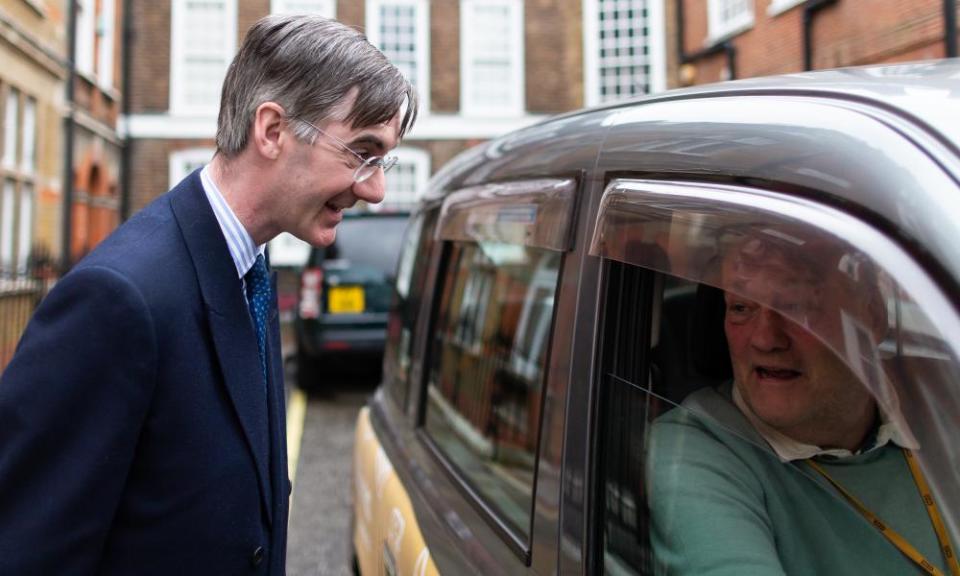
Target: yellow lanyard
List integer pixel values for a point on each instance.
(896, 539)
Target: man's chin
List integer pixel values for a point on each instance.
(322, 237)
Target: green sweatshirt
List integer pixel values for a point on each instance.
(722, 503)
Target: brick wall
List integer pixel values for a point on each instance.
(445, 56)
(150, 54)
(847, 33)
(150, 167)
(553, 47)
(553, 39)
(351, 13)
(248, 12)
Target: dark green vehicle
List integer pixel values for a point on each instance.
(345, 293)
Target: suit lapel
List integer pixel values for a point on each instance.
(229, 320)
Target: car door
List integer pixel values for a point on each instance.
(850, 184)
(458, 422)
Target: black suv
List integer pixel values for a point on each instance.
(345, 293)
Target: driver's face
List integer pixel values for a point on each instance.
(787, 375)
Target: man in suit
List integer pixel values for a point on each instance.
(142, 418)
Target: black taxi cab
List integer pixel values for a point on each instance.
(712, 331)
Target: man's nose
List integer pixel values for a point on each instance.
(372, 189)
(769, 333)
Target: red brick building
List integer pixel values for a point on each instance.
(481, 67)
(723, 39)
(95, 147)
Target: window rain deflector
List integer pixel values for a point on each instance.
(535, 213)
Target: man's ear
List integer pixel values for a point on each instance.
(268, 122)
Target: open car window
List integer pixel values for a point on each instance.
(775, 328)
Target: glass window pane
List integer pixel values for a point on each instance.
(10, 128)
(25, 239)
(86, 31)
(623, 58)
(7, 226)
(492, 56)
(105, 47)
(729, 15)
(29, 159)
(352, 243)
(399, 40)
(206, 41)
(487, 368)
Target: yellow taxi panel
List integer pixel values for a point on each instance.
(386, 536)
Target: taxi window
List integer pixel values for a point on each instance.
(796, 392)
(485, 370)
(487, 359)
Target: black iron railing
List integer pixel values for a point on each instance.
(20, 292)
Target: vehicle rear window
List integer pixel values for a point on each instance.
(355, 242)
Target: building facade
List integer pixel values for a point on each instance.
(725, 39)
(33, 47)
(94, 106)
(481, 67)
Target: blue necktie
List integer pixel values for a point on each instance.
(258, 298)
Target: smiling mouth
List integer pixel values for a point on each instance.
(768, 373)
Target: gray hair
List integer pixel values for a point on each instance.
(308, 65)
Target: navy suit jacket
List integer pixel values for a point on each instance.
(136, 434)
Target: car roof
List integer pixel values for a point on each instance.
(908, 88)
(926, 94)
(854, 157)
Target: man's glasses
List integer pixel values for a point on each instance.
(367, 165)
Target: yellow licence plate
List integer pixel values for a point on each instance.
(346, 300)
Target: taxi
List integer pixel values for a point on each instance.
(710, 330)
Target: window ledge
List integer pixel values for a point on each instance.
(37, 7)
(777, 8)
(727, 33)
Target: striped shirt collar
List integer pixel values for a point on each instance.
(242, 249)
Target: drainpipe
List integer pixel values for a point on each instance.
(126, 42)
(67, 223)
(727, 46)
(810, 10)
(950, 27)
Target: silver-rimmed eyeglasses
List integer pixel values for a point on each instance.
(367, 165)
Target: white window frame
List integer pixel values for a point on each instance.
(328, 8)
(422, 81)
(11, 128)
(181, 161)
(420, 160)
(656, 49)
(777, 7)
(468, 32)
(719, 28)
(106, 30)
(178, 104)
(86, 30)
